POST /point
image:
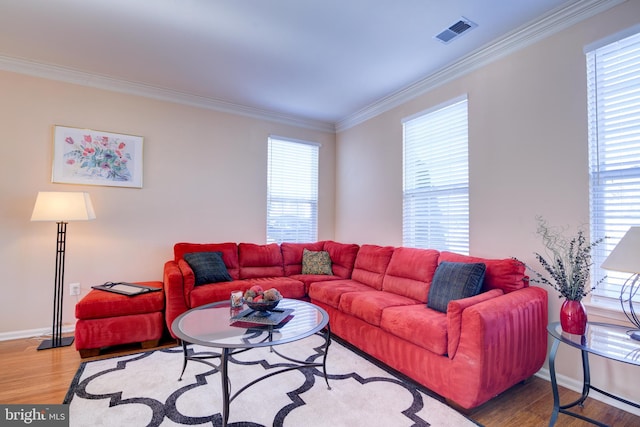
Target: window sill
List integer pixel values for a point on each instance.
(608, 308)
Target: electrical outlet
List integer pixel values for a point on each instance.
(74, 288)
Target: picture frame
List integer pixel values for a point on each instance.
(93, 157)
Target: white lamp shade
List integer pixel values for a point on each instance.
(63, 206)
(625, 256)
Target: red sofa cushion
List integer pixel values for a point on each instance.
(292, 255)
(368, 306)
(200, 295)
(102, 304)
(370, 265)
(229, 254)
(288, 287)
(260, 260)
(330, 292)
(108, 331)
(308, 279)
(506, 274)
(410, 272)
(417, 324)
(343, 257)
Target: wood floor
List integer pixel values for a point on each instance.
(28, 376)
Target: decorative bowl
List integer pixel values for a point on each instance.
(263, 305)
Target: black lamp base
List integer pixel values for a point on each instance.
(62, 342)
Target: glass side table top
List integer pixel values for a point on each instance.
(209, 325)
(603, 339)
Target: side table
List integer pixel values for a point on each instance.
(602, 339)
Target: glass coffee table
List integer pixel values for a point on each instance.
(211, 326)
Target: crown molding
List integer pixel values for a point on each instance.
(555, 21)
(551, 23)
(68, 75)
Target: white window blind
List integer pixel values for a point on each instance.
(292, 191)
(436, 179)
(613, 75)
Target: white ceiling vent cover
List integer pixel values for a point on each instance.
(456, 30)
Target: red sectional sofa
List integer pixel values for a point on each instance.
(377, 299)
(271, 266)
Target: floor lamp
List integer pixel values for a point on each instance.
(61, 207)
(625, 257)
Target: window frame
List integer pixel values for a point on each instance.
(283, 200)
(609, 218)
(427, 140)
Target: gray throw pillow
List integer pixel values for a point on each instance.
(455, 280)
(208, 267)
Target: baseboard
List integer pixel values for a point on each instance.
(33, 333)
(576, 386)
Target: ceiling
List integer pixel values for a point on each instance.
(317, 61)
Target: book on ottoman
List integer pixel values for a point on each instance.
(125, 288)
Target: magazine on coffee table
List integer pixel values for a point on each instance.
(273, 317)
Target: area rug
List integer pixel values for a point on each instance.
(143, 390)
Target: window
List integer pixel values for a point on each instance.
(435, 212)
(613, 74)
(292, 191)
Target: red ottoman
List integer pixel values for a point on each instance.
(105, 319)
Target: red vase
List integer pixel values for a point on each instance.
(573, 317)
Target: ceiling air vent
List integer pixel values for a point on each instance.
(455, 30)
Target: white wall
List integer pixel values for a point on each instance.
(204, 181)
(528, 155)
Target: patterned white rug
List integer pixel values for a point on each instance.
(143, 390)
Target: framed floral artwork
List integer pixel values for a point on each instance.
(85, 156)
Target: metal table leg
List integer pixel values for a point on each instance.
(185, 359)
(554, 384)
(586, 386)
(224, 376)
(586, 375)
(324, 357)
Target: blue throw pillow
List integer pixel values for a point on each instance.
(208, 267)
(454, 280)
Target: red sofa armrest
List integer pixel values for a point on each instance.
(503, 341)
(174, 293)
(454, 317)
(188, 278)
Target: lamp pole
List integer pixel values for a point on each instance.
(57, 340)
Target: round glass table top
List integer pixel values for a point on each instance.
(211, 325)
(603, 339)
